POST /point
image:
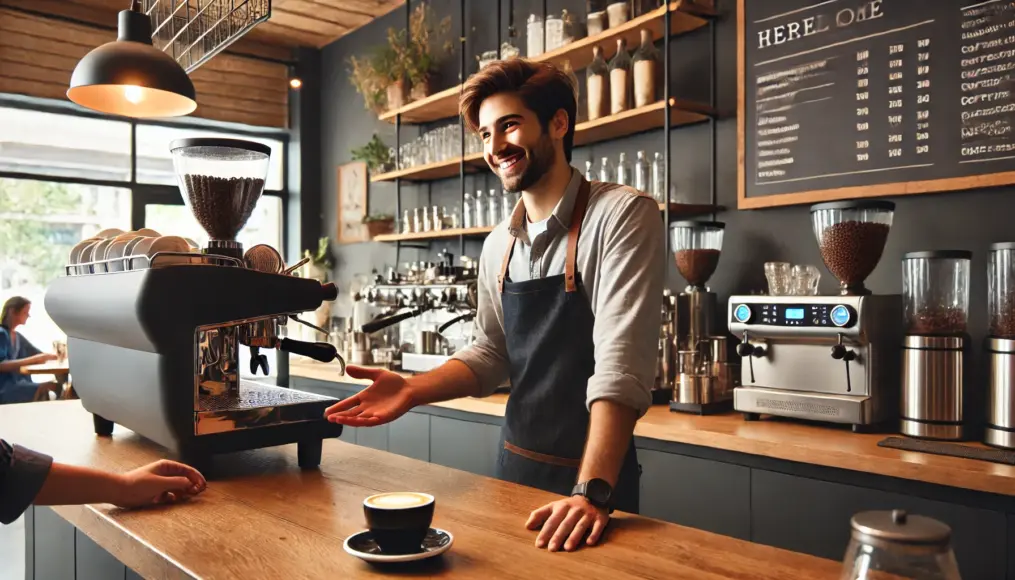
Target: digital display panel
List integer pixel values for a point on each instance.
(794, 314)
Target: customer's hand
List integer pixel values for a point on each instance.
(160, 482)
(388, 398)
(43, 357)
(566, 522)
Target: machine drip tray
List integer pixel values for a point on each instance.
(950, 449)
(255, 395)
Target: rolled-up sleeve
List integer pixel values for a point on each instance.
(22, 473)
(628, 304)
(486, 357)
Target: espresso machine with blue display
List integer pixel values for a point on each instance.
(825, 358)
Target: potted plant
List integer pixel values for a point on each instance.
(369, 82)
(419, 60)
(379, 224)
(375, 154)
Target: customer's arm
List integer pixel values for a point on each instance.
(27, 347)
(8, 364)
(27, 478)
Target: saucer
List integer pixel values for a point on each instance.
(363, 546)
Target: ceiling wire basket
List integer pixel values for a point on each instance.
(193, 31)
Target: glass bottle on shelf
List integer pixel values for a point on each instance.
(597, 83)
(620, 79)
(406, 222)
(606, 171)
(427, 222)
(554, 32)
(623, 170)
(589, 174)
(572, 28)
(641, 173)
(480, 210)
(647, 66)
(618, 12)
(596, 21)
(493, 209)
(659, 178)
(506, 207)
(468, 217)
(455, 220)
(417, 221)
(534, 39)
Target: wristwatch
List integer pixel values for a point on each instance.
(597, 491)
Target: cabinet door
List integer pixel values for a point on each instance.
(464, 445)
(812, 516)
(698, 493)
(410, 436)
(93, 562)
(373, 437)
(54, 546)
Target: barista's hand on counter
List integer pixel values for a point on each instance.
(157, 483)
(388, 398)
(565, 523)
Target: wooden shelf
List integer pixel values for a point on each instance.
(684, 17)
(603, 129)
(639, 120)
(438, 235)
(688, 210)
(431, 171)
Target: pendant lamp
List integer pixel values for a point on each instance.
(130, 77)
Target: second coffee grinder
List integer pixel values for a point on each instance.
(704, 378)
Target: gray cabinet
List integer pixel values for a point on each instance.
(698, 493)
(410, 436)
(93, 562)
(812, 516)
(373, 437)
(464, 445)
(54, 546)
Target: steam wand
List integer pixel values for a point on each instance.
(840, 352)
(747, 350)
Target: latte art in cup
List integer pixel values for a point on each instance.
(398, 500)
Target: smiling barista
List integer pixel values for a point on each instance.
(568, 309)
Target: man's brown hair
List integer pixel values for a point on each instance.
(544, 88)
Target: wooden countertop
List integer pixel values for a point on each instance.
(825, 445)
(262, 517)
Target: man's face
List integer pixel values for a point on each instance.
(515, 146)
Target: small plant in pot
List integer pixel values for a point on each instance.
(379, 224)
(420, 61)
(375, 154)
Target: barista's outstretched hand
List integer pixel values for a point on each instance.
(388, 398)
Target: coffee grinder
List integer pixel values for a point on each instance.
(703, 380)
(825, 358)
(935, 291)
(1000, 430)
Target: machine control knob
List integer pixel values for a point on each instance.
(841, 316)
(759, 351)
(838, 352)
(745, 349)
(742, 313)
(330, 291)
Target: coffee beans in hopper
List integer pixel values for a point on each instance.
(697, 266)
(1002, 322)
(222, 205)
(851, 250)
(937, 320)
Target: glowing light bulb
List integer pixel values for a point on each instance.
(134, 94)
(295, 83)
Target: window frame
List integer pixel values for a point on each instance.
(142, 194)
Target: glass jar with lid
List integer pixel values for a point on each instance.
(894, 544)
(1001, 290)
(935, 292)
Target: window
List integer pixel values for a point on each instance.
(155, 161)
(40, 222)
(263, 227)
(64, 145)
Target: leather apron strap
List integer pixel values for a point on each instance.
(518, 218)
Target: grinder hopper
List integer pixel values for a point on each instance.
(851, 236)
(221, 181)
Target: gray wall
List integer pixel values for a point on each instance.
(966, 220)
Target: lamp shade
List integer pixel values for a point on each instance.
(131, 77)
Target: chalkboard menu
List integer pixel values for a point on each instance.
(840, 99)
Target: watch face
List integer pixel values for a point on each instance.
(598, 491)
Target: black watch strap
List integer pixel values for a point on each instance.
(597, 491)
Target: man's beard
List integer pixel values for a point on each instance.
(539, 160)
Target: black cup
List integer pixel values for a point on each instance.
(397, 523)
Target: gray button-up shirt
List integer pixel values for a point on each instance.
(22, 473)
(621, 262)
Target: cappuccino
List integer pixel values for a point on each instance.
(398, 500)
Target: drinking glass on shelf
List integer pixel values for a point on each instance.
(778, 276)
(805, 280)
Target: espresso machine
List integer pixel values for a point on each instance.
(825, 358)
(696, 362)
(1000, 431)
(439, 290)
(935, 291)
(154, 343)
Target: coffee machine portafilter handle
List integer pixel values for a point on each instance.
(382, 323)
(321, 351)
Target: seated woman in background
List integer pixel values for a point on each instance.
(16, 352)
